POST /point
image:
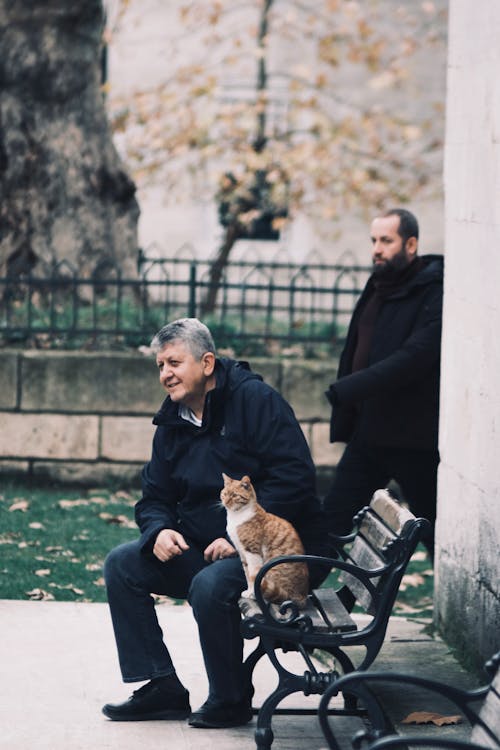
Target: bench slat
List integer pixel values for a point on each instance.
(339, 618)
(376, 532)
(363, 556)
(490, 714)
(327, 613)
(395, 515)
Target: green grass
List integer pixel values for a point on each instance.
(53, 542)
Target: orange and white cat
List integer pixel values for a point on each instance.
(259, 536)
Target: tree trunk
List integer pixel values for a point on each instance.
(65, 194)
(217, 268)
(232, 231)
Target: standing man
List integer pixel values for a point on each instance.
(385, 402)
(218, 417)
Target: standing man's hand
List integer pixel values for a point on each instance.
(168, 544)
(218, 549)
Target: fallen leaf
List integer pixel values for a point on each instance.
(36, 525)
(21, 505)
(411, 579)
(42, 572)
(39, 595)
(72, 503)
(67, 587)
(99, 582)
(123, 495)
(401, 607)
(120, 520)
(97, 500)
(420, 555)
(93, 566)
(428, 717)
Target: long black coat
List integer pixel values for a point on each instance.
(394, 401)
(247, 428)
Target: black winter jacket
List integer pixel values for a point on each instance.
(247, 428)
(394, 401)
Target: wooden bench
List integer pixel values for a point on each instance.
(370, 563)
(484, 718)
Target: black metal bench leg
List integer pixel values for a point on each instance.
(263, 733)
(350, 701)
(252, 660)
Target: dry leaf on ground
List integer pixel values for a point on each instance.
(120, 520)
(39, 595)
(93, 566)
(68, 587)
(419, 555)
(72, 503)
(429, 717)
(43, 572)
(122, 495)
(411, 579)
(21, 505)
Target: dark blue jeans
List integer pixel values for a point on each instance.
(212, 589)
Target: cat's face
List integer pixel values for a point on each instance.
(237, 493)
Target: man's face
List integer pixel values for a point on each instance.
(185, 378)
(388, 252)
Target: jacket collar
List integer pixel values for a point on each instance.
(228, 375)
(431, 271)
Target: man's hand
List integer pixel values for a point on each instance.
(218, 549)
(169, 543)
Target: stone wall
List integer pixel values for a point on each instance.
(467, 601)
(86, 417)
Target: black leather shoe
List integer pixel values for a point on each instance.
(151, 701)
(221, 715)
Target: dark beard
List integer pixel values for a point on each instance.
(392, 267)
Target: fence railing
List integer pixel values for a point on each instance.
(260, 306)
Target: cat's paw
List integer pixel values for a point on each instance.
(248, 594)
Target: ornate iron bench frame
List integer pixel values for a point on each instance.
(485, 718)
(371, 563)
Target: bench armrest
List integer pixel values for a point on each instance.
(289, 611)
(360, 684)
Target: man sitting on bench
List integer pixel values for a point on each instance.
(218, 417)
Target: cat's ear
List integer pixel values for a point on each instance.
(225, 478)
(245, 481)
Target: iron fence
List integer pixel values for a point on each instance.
(259, 307)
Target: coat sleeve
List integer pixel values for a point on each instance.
(156, 510)
(413, 360)
(272, 434)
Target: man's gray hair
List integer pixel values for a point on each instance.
(193, 333)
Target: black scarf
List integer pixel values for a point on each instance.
(382, 287)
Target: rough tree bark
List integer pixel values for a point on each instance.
(64, 192)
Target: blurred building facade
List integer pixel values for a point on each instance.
(150, 43)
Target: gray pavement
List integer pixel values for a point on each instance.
(58, 667)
